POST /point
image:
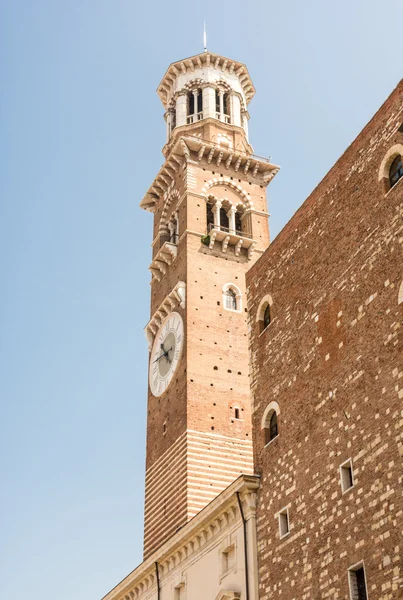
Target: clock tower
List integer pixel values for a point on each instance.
(210, 225)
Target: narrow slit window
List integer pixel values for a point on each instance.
(199, 101)
(237, 413)
(346, 476)
(270, 427)
(358, 586)
(283, 522)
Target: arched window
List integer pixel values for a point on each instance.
(232, 297)
(238, 222)
(273, 426)
(210, 216)
(224, 221)
(396, 171)
(266, 317)
(195, 106)
(270, 422)
(264, 313)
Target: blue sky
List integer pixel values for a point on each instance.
(81, 134)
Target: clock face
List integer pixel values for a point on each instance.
(166, 353)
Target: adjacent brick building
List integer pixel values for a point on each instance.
(325, 308)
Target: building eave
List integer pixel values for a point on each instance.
(256, 166)
(205, 59)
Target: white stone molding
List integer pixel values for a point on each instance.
(217, 181)
(176, 297)
(228, 595)
(224, 243)
(238, 246)
(179, 72)
(164, 258)
(389, 157)
(267, 299)
(238, 294)
(400, 295)
(269, 410)
(194, 149)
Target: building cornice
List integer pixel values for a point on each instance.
(195, 149)
(203, 60)
(200, 531)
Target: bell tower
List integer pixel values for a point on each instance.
(210, 225)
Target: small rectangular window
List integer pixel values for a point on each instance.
(227, 559)
(346, 475)
(357, 583)
(283, 522)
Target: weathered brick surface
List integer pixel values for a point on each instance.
(332, 359)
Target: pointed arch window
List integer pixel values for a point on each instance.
(396, 171)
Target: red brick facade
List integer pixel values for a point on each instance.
(331, 359)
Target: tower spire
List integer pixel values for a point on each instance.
(205, 37)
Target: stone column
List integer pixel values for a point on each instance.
(231, 218)
(221, 94)
(195, 94)
(209, 103)
(217, 208)
(181, 109)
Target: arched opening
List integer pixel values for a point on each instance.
(264, 314)
(195, 106)
(267, 316)
(395, 171)
(224, 220)
(270, 427)
(209, 216)
(232, 298)
(238, 222)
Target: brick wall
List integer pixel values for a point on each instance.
(332, 360)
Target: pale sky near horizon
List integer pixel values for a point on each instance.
(81, 135)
